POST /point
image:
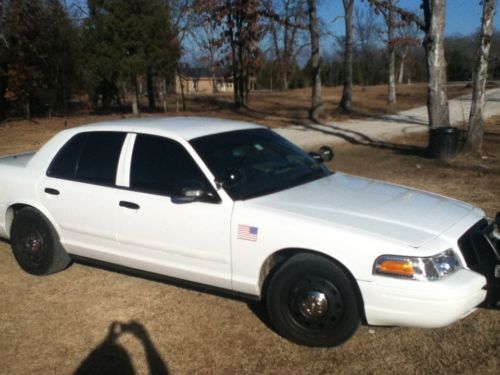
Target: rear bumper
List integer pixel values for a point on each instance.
(394, 302)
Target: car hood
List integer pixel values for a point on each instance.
(403, 214)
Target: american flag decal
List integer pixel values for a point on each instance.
(248, 233)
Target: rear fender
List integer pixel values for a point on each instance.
(8, 216)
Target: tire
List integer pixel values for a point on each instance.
(311, 301)
(36, 245)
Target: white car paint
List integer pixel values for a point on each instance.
(350, 219)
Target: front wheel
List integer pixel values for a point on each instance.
(311, 301)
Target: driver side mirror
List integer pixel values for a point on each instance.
(192, 191)
(324, 154)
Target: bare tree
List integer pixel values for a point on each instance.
(390, 22)
(346, 101)
(184, 18)
(396, 40)
(206, 39)
(184, 21)
(433, 26)
(241, 30)
(474, 140)
(368, 34)
(316, 101)
(437, 97)
(289, 19)
(407, 35)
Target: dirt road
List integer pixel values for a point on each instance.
(385, 127)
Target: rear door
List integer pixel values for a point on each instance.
(159, 234)
(79, 191)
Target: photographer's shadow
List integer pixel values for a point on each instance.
(110, 357)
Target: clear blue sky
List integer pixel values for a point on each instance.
(462, 16)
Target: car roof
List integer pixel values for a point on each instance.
(184, 127)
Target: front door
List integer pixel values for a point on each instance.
(163, 235)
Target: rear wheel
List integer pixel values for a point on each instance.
(311, 301)
(36, 245)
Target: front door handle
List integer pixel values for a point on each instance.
(51, 191)
(131, 205)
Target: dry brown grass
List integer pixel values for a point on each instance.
(57, 323)
(274, 109)
(283, 108)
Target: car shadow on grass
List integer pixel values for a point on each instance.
(255, 305)
(259, 309)
(110, 357)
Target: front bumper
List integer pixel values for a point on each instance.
(396, 302)
(439, 303)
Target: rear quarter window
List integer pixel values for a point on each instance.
(89, 157)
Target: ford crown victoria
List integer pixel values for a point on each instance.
(234, 206)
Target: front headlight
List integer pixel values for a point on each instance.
(417, 268)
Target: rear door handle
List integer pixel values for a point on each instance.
(131, 205)
(51, 191)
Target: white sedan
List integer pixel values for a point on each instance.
(234, 206)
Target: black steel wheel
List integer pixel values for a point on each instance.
(311, 301)
(35, 243)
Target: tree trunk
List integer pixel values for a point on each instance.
(27, 108)
(151, 90)
(474, 141)
(242, 77)
(164, 94)
(214, 80)
(285, 80)
(236, 80)
(234, 61)
(401, 68)
(3, 102)
(181, 83)
(392, 58)
(346, 101)
(437, 98)
(316, 103)
(135, 97)
(392, 77)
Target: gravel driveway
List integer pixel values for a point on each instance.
(385, 127)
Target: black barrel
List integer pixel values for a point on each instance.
(444, 142)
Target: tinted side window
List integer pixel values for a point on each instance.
(160, 165)
(89, 157)
(99, 158)
(64, 163)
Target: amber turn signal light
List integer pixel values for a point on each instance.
(396, 267)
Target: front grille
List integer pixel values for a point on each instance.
(479, 247)
(468, 243)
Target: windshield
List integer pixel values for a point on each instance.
(262, 161)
